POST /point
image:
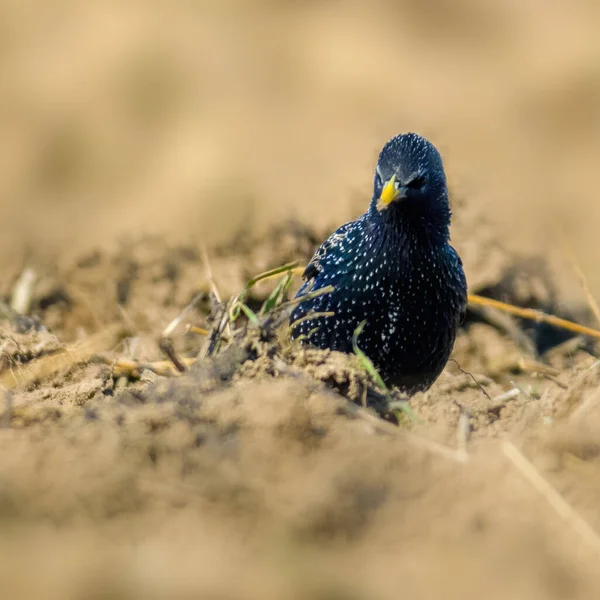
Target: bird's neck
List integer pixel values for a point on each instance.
(417, 227)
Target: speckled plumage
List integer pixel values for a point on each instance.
(394, 268)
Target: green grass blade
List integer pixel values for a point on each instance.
(277, 294)
(250, 314)
(374, 373)
(320, 292)
(272, 273)
(287, 268)
(365, 360)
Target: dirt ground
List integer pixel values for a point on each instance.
(155, 152)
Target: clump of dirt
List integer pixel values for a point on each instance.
(17, 349)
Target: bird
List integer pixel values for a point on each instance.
(394, 269)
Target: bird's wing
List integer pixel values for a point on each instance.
(463, 282)
(320, 257)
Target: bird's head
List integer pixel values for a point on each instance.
(410, 182)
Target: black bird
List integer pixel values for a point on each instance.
(394, 268)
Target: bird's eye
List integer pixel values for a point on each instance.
(416, 183)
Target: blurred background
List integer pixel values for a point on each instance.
(195, 119)
(209, 122)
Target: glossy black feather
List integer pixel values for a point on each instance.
(394, 268)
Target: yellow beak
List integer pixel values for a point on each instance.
(389, 192)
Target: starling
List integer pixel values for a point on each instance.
(393, 268)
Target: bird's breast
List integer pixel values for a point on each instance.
(411, 307)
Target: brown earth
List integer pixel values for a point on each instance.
(147, 146)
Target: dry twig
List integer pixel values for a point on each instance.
(534, 315)
(22, 295)
(50, 364)
(463, 429)
(209, 274)
(416, 440)
(554, 499)
(165, 343)
(133, 369)
(581, 276)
